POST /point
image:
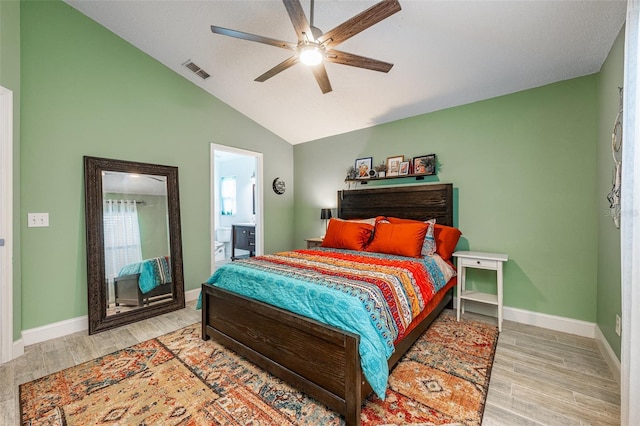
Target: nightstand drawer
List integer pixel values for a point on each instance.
(479, 263)
(313, 242)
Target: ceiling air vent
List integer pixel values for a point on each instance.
(197, 70)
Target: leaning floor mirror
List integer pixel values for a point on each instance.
(134, 243)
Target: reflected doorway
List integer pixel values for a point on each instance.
(236, 204)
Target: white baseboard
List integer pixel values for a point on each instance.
(551, 322)
(54, 330)
(70, 326)
(191, 295)
(609, 355)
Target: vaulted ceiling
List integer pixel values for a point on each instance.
(445, 53)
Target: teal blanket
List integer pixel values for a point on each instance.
(153, 272)
(373, 295)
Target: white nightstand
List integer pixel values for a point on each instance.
(313, 242)
(480, 260)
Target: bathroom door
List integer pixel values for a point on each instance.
(245, 167)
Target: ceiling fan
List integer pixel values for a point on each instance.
(314, 47)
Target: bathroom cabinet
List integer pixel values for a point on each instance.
(243, 237)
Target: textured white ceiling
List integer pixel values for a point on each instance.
(445, 53)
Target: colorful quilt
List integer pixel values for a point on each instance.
(153, 272)
(371, 294)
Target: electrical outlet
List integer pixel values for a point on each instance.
(618, 325)
(37, 220)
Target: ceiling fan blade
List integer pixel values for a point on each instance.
(287, 63)
(320, 73)
(298, 19)
(360, 22)
(350, 59)
(252, 37)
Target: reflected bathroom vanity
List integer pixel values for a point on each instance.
(243, 239)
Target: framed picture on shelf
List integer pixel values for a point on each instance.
(404, 168)
(424, 165)
(363, 165)
(393, 165)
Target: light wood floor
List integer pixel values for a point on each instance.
(539, 377)
(544, 377)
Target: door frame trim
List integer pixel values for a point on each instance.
(6, 224)
(259, 197)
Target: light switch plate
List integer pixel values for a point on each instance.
(37, 220)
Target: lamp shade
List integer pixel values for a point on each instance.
(325, 214)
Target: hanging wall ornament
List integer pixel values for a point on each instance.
(616, 151)
(278, 186)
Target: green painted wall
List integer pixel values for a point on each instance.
(85, 91)
(609, 289)
(524, 168)
(10, 78)
(154, 226)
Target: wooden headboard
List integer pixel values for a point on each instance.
(421, 202)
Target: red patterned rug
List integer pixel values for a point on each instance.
(179, 379)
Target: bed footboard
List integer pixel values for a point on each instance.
(320, 360)
(127, 291)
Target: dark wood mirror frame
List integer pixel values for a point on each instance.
(97, 291)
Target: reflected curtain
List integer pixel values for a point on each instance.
(121, 237)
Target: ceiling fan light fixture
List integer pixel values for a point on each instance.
(315, 47)
(310, 55)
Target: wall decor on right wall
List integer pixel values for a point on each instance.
(424, 165)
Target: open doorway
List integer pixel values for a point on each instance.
(236, 204)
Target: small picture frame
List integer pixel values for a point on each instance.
(393, 165)
(424, 165)
(363, 165)
(404, 168)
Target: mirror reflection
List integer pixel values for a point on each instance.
(136, 240)
(134, 243)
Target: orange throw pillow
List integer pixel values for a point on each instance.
(399, 220)
(403, 239)
(347, 235)
(446, 240)
(429, 246)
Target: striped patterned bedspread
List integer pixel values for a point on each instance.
(374, 295)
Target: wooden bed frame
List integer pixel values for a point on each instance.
(127, 291)
(279, 341)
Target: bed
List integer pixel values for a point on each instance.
(140, 283)
(278, 340)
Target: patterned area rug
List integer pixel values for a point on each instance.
(179, 379)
